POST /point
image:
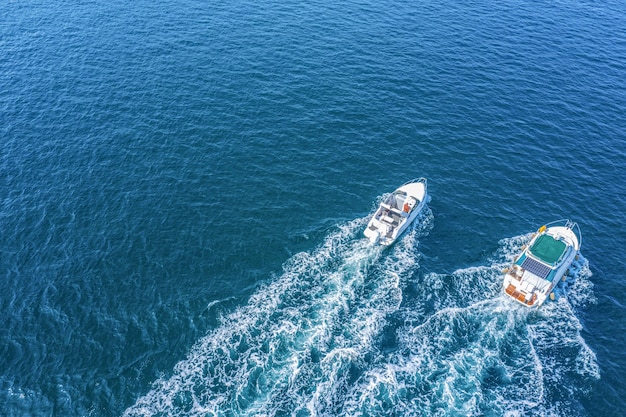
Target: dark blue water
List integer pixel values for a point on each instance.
(184, 185)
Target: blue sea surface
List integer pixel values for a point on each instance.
(184, 187)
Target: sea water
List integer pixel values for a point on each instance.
(184, 186)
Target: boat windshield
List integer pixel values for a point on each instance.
(395, 199)
(548, 249)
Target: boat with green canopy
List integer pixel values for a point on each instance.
(543, 262)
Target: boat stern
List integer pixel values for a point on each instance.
(376, 231)
(526, 298)
(525, 287)
(373, 235)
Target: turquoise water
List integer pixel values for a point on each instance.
(184, 186)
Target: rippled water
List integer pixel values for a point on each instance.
(183, 189)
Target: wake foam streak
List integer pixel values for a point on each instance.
(466, 350)
(300, 341)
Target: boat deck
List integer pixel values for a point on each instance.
(512, 291)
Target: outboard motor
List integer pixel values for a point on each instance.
(375, 237)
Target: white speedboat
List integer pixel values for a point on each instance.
(397, 212)
(543, 262)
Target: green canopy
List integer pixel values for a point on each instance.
(548, 249)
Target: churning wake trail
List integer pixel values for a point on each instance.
(306, 343)
(466, 350)
(301, 340)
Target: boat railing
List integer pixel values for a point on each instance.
(572, 225)
(576, 229)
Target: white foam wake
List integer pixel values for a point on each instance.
(467, 350)
(300, 341)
